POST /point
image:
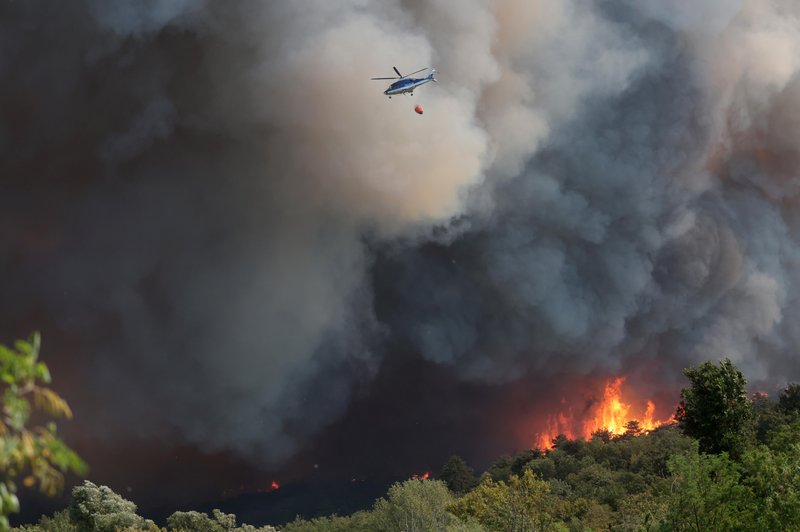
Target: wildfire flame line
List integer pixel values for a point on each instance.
(611, 414)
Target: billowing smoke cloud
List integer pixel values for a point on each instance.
(654, 222)
(238, 225)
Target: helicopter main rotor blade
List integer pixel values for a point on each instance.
(384, 78)
(398, 72)
(417, 72)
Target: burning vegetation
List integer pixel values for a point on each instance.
(609, 413)
(728, 463)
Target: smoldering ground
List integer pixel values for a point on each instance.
(228, 227)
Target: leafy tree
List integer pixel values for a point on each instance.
(767, 417)
(615, 453)
(631, 483)
(358, 522)
(506, 466)
(633, 429)
(773, 480)
(571, 447)
(642, 512)
(650, 454)
(98, 509)
(414, 506)
(544, 468)
(594, 517)
(786, 437)
(60, 522)
(36, 452)
(519, 505)
(706, 493)
(789, 400)
(200, 522)
(565, 464)
(715, 409)
(603, 435)
(596, 482)
(458, 476)
(500, 468)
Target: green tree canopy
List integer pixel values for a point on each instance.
(633, 429)
(521, 504)
(218, 522)
(358, 522)
(458, 476)
(774, 483)
(789, 400)
(98, 509)
(414, 506)
(767, 417)
(715, 410)
(35, 452)
(706, 493)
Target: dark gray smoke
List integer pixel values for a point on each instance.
(237, 225)
(655, 220)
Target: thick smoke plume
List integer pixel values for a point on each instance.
(228, 224)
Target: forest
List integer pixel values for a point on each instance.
(729, 460)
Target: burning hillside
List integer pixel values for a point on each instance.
(609, 412)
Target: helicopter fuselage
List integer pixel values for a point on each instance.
(407, 85)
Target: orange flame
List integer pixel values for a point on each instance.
(561, 423)
(235, 492)
(611, 414)
(425, 476)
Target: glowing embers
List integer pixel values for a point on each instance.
(424, 476)
(609, 413)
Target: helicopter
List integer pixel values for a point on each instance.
(405, 84)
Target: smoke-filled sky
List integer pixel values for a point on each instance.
(229, 236)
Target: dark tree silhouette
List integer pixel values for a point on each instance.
(716, 409)
(458, 476)
(789, 400)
